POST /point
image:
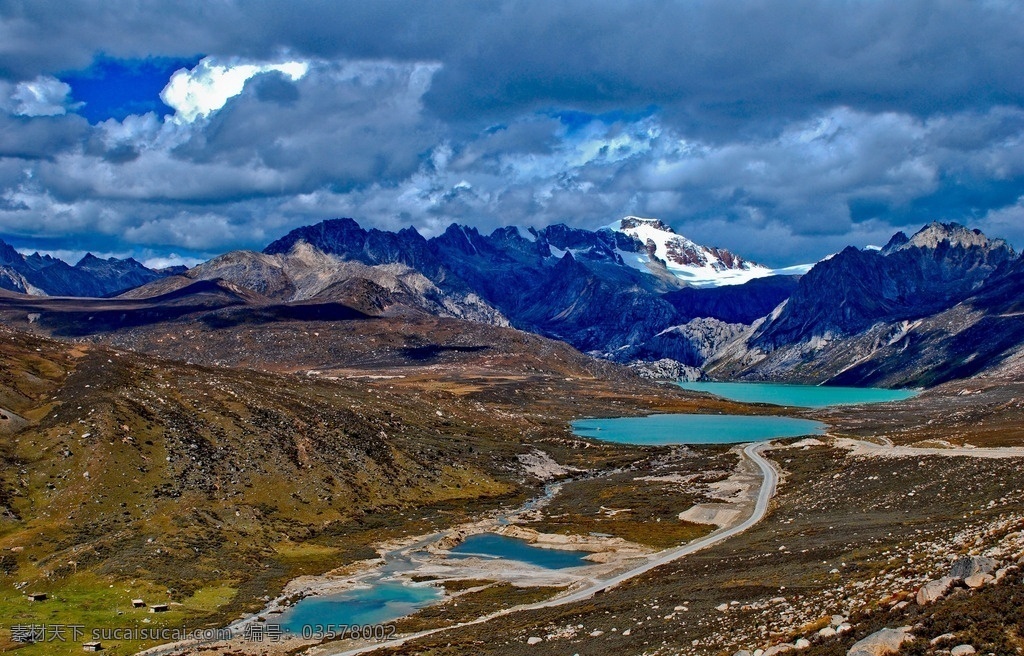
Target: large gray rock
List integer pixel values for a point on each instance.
(880, 643)
(962, 650)
(970, 565)
(934, 590)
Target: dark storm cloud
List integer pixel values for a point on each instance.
(785, 128)
(727, 63)
(339, 125)
(40, 137)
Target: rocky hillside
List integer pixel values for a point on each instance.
(608, 292)
(922, 310)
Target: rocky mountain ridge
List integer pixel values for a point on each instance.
(920, 311)
(44, 275)
(924, 309)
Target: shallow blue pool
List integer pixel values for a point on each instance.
(491, 545)
(381, 602)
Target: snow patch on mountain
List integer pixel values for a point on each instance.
(697, 265)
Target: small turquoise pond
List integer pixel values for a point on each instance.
(803, 396)
(491, 545)
(695, 429)
(382, 602)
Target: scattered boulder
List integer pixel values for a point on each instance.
(779, 649)
(534, 640)
(827, 632)
(742, 652)
(880, 643)
(963, 650)
(978, 580)
(934, 590)
(802, 643)
(968, 566)
(942, 638)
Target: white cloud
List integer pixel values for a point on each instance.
(43, 96)
(173, 259)
(199, 91)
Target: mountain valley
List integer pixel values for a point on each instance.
(228, 438)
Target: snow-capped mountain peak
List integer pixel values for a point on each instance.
(700, 266)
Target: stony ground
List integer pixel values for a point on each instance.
(850, 537)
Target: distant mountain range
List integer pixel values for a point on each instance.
(605, 292)
(938, 305)
(43, 275)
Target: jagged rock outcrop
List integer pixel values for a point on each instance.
(667, 369)
(305, 273)
(930, 272)
(115, 275)
(692, 343)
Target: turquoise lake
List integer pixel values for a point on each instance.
(491, 545)
(803, 396)
(384, 601)
(695, 429)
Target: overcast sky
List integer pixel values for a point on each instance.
(781, 130)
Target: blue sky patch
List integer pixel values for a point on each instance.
(116, 88)
(574, 120)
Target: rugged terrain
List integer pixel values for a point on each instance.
(208, 487)
(209, 436)
(938, 305)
